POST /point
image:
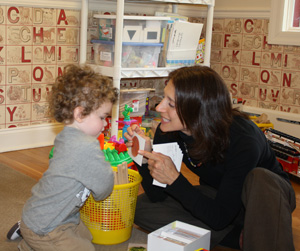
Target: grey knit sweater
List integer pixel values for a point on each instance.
(77, 168)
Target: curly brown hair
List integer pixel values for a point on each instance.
(80, 86)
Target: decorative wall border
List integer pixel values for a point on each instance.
(241, 14)
(76, 4)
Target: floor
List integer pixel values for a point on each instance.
(34, 162)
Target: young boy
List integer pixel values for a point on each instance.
(81, 99)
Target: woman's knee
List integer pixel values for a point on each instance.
(259, 174)
(261, 178)
(265, 182)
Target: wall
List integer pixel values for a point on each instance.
(36, 42)
(265, 76)
(245, 5)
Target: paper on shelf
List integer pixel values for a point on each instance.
(184, 40)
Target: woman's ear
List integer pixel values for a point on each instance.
(78, 114)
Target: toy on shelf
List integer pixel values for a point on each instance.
(127, 121)
(200, 52)
(287, 150)
(262, 121)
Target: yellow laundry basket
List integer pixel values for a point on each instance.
(110, 221)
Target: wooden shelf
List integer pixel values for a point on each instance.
(201, 2)
(135, 72)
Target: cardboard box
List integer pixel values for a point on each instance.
(179, 236)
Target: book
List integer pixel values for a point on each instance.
(200, 51)
(163, 54)
(182, 43)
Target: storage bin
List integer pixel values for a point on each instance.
(103, 52)
(135, 99)
(140, 55)
(134, 30)
(110, 221)
(134, 55)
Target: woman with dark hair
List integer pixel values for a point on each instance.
(244, 197)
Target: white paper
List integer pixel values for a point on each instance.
(183, 40)
(174, 152)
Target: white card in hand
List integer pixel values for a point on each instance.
(173, 151)
(138, 143)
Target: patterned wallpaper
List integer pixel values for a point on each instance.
(35, 44)
(265, 76)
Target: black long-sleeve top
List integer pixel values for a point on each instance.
(248, 149)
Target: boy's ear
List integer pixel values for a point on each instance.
(78, 114)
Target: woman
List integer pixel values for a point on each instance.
(237, 168)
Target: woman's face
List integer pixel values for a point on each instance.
(169, 117)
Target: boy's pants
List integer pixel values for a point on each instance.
(68, 237)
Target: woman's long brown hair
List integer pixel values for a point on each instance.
(203, 105)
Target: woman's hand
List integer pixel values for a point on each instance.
(129, 135)
(161, 167)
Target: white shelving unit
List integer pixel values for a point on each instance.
(117, 72)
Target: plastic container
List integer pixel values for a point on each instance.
(134, 98)
(140, 55)
(110, 221)
(147, 124)
(134, 55)
(104, 52)
(134, 30)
